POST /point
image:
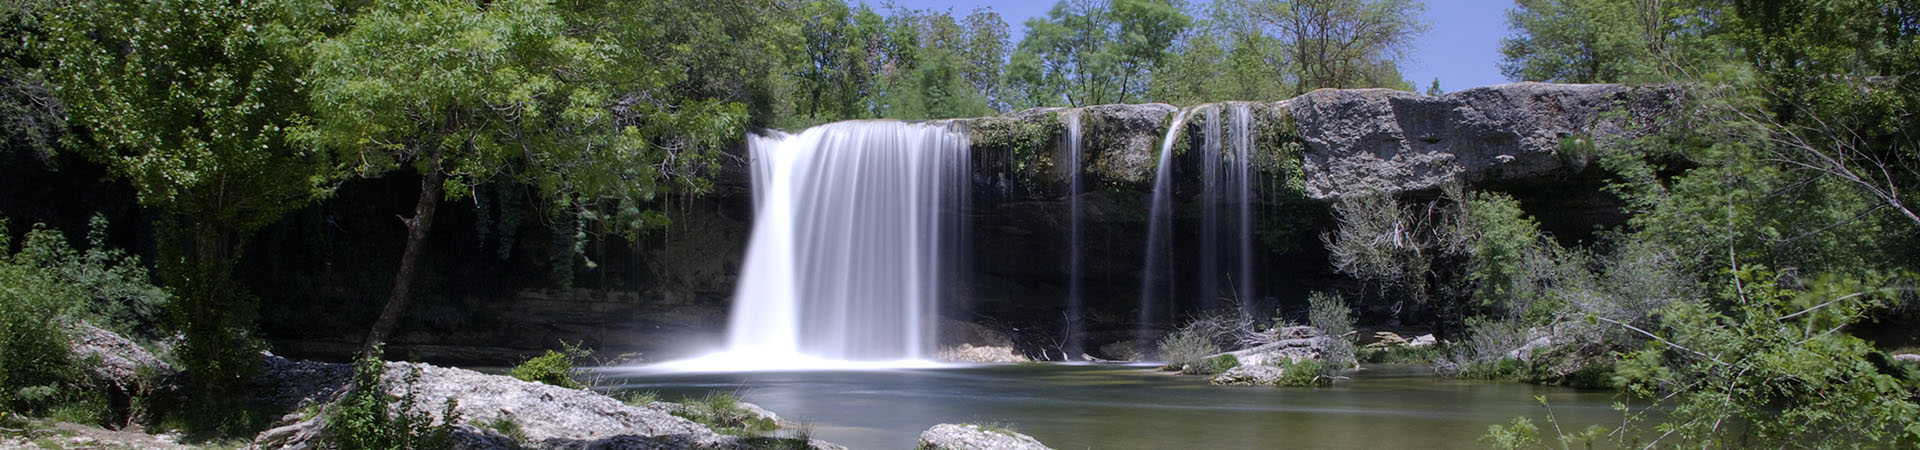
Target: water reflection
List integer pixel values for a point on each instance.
(1131, 407)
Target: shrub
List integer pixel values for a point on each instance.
(45, 287)
(1305, 372)
(554, 367)
(1330, 314)
(722, 412)
(370, 418)
(1221, 363)
(1186, 348)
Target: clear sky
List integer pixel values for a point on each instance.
(1462, 49)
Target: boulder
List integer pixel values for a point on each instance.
(115, 361)
(1293, 344)
(1907, 357)
(1423, 341)
(948, 436)
(1364, 141)
(1250, 376)
(967, 353)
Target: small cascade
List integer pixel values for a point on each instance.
(857, 230)
(1074, 347)
(1243, 187)
(1154, 277)
(1226, 251)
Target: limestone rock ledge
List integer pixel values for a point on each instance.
(1363, 141)
(948, 436)
(551, 417)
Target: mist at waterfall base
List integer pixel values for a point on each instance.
(857, 228)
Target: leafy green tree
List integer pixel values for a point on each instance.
(191, 101)
(1224, 56)
(31, 118)
(1434, 89)
(1576, 42)
(464, 93)
(1088, 52)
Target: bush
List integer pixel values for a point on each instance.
(370, 418)
(554, 367)
(722, 412)
(1330, 314)
(1305, 372)
(45, 287)
(1186, 348)
(1221, 364)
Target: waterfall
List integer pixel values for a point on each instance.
(1243, 185)
(1225, 252)
(857, 226)
(1159, 224)
(1074, 347)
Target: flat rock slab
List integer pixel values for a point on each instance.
(948, 436)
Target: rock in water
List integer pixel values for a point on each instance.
(1250, 376)
(948, 436)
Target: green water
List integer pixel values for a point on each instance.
(1131, 407)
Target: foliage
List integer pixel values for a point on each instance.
(46, 288)
(506, 427)
(1305, 372)
(1772, 362)
(554, 367)
(1330, 314)
(1380, 240)
(722, 412)
(1220, 364)
(1343, 43)
(1090, 52)
(190, 101)
(1576, 42)
(639, 398)
(1186, 349)
(370, 418)
(1403, 354)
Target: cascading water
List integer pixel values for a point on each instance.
(1227, 179)
(1074, 347)
(855, 226)
(1243, 160)
(1160, 223)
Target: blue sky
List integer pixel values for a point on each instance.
(1462, 48)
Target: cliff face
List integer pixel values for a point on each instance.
(1377, 140)
(672, 291)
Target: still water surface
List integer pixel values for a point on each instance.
(1134, 407)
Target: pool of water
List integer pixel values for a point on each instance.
(1134, 407)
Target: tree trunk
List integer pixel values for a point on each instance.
(417, 226)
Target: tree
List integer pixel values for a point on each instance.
(464, 93)
(1343, 43)
(191, 101)
(1434, 89)
(1088, 52)
(1576, 42)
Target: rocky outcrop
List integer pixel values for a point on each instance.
(549, 417)
(1378, 140)
(1292, 344)
(948, 436)
(1250, 376)
(114, 361)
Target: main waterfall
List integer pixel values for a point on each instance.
(857, 226)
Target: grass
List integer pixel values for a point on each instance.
(638, 398)
(1402, 354)
(722, 412)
